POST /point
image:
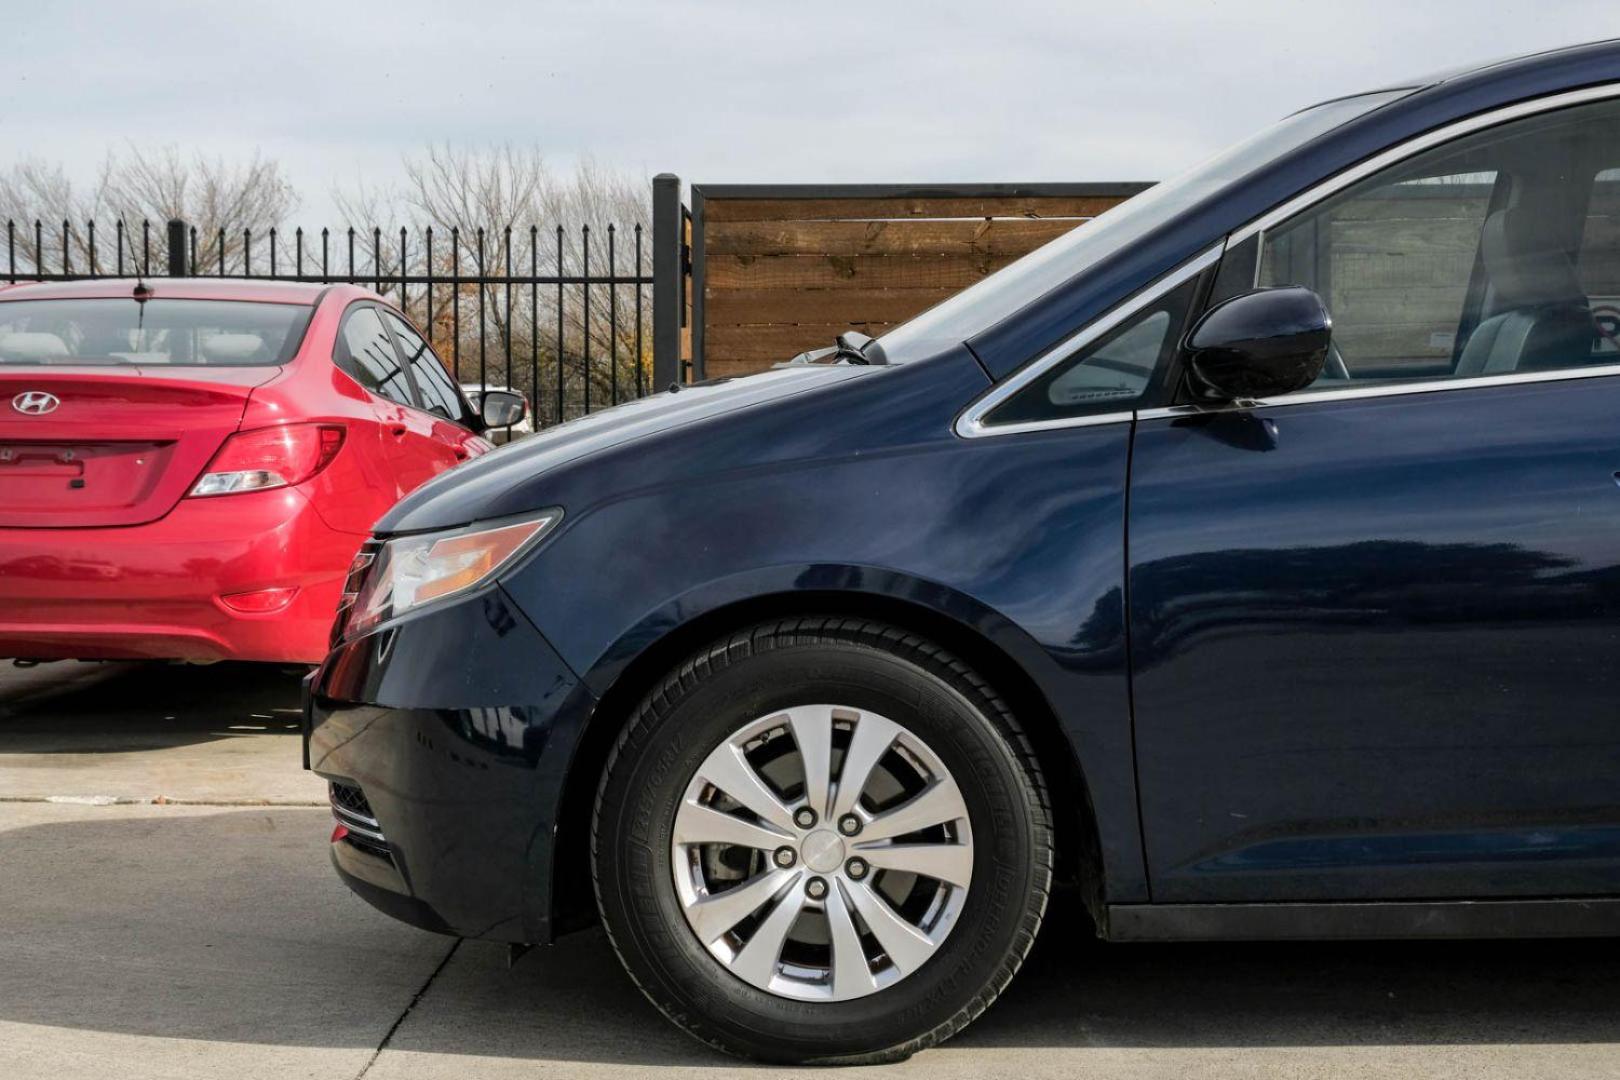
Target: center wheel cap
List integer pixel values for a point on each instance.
(823, 851)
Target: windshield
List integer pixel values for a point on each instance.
(983, 305)
(182, 333)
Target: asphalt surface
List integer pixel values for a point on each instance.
(166, 910)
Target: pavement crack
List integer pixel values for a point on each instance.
(388, 1037)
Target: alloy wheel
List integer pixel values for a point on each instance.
(822, 853)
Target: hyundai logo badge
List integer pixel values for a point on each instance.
(35, 402)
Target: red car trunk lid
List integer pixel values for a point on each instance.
(111, 446)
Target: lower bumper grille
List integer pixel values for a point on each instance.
(353, 812)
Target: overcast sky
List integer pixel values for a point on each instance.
(879, 90)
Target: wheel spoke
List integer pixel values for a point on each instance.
(851, 974)
(728, 770)
(906, 945)
(714, 915)
(757, 960)
(936, 804)
(699, 824)
(812, 731)
(872, 738)
(950, 863)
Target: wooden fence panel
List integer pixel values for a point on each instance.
(778, 270)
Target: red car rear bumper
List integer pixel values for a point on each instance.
(154, 591)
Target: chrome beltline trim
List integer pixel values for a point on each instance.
(1312, 397)
(1417, 145)
(970, 423)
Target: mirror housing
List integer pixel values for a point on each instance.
(501, 408)
(1259, 344)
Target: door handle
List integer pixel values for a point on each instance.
(398, 431)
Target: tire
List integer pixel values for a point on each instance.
(951, 728)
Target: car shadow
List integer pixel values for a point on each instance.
(120, 706)
(182, 924)
(1076, 992)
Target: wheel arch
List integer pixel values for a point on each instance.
(986, 641)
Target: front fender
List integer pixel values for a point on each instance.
(1020, 540)
(801, 586)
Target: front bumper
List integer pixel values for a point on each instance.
(457, 726)
(152, 591)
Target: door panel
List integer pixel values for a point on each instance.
(1376, 646)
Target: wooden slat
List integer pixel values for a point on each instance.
(774, 343)
(727, 369)
(1028, 206)
(1402, 236)
(736, 307)
(1369, 343)
(849, 271)
(969, 236)
(1421, 209)
(1436, 305)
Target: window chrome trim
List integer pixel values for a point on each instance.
(1413, 146)
(1427, 386)
(970, 424)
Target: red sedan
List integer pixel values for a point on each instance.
(188, 467)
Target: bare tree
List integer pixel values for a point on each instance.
(501, 211)
(135, 193)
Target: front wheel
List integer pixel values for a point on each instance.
(822, 840)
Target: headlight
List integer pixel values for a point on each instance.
(403, 574)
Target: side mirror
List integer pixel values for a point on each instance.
(1260, 344)
(503, 407)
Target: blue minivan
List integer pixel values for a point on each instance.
(1244, 564)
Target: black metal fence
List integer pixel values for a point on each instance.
(579, 316)
(562, 313)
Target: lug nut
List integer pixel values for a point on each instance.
(856, 868)
(849, 824)
(785, 857)
(815, 888)
(804, 817)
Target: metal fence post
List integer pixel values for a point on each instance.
(177, 248)
(669, 280)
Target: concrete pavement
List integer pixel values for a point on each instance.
(196, 940)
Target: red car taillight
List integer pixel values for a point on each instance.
(270, 458)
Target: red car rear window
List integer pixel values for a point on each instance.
(184, 333)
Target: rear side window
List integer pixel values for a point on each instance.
(119, 330)
(365, 351)
(432, 382)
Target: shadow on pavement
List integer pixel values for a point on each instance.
(115, 707)
(230, 926)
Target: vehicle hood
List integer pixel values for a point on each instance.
(475, 490)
